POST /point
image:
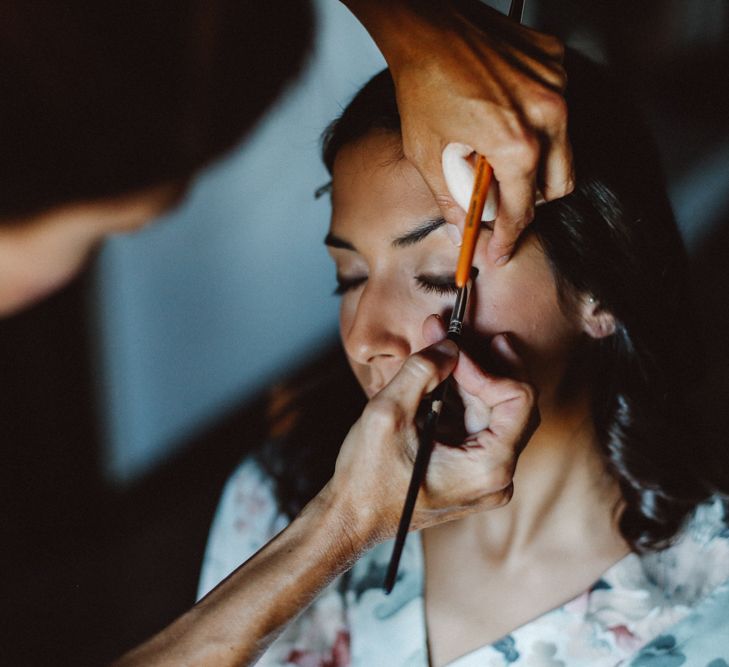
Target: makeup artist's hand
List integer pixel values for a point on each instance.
(360, 506)
(465, 73)
(375, 463)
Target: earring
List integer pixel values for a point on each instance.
(591, 300)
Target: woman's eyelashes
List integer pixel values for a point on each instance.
(441, 285)
(346, 284)
(433, 284)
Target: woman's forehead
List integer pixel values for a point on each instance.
(372, 182)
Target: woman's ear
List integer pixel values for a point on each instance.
(597, 322)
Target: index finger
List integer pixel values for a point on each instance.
(421, 373)
(517, 195)
(489, 388)
(514, 415)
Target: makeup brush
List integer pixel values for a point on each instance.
(465, 272)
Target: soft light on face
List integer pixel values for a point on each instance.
(395, 266)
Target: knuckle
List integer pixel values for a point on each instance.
(516, 147)
(504, 496)
(382, 414)
(555, 108)
(548, 108)
(569, 186)
(499, 478)
(556, 48)
(560, 78)
(521, 222)
(505, 246)
(415, 151)
(524, 151)
(420, 366)
(561, 189)
(553, 47)
(445, 201)
(525, 393)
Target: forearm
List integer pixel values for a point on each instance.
(239, 619)
(399, 26)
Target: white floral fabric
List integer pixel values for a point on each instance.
(666, 609)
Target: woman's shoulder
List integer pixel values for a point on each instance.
(698, 560)
(247, 517)
(248, 503)
(695, 571)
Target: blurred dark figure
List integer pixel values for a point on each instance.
(80, 84)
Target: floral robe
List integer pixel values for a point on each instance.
(665, 609)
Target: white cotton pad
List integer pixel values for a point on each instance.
(460, 175)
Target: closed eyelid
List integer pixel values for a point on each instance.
(443, 278)
(333, 241)
(439, 284)
(346, 283)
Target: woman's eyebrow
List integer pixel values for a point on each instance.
(418, 233)
(413, 236)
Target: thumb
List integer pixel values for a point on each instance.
(421, 373)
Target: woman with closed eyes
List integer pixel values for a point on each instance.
(611, 544)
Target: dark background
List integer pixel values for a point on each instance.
(89, 569)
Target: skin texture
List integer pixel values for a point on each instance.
(358, 508)
(531, 555)
(42, 252)
(465, 73)
(361, 504)
(39, 255)
(378, 198)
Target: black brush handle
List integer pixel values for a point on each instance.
(420, 468)
(425, 445)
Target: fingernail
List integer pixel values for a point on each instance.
(454, 234)
(503, 260)
(503, 345)
(502, 340)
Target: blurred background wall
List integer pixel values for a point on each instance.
(128, 398)
(232, 289)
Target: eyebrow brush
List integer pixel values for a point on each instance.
(464, 274)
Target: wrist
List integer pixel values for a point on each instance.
(400, 27)
(355, 523)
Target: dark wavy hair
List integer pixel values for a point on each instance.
(614, 238)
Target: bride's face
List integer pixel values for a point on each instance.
(395, 265)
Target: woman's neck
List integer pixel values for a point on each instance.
(492, 572)
(561, 493)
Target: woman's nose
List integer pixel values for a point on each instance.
(379, 332)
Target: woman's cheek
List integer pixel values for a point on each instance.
(489, 315)
(347, 312)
